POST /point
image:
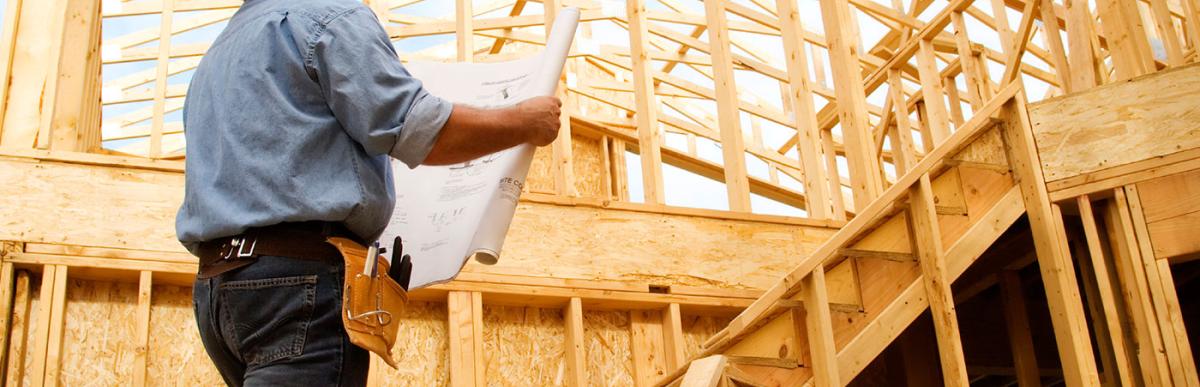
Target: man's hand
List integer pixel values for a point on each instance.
(538, 115)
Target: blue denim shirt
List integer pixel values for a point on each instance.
(292, 115)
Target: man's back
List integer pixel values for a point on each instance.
(290, 117)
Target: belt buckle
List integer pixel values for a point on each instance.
(237, 248)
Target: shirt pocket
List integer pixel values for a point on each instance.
(266, 320)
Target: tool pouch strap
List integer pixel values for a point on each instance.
(371, 306)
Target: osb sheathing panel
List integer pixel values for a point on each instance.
(176, 356)
(422, 348)
(1118, 123)
(589, 243)
(541, 171)
(37, 200)
(587, 158)
(544, 240)
(697, 330)
(99, 338)
(607, 342)
(523, 346)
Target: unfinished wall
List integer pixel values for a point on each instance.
(544, 239)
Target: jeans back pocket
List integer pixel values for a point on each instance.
(265, 320)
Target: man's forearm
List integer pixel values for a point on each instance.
(471, 133)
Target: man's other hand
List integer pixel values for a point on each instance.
(539, 115)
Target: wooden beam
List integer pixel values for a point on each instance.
(851, 96)
(1151, 355)
(1121, 373)
(576, 353)
(15, 362)
(800, 101)
(927, 244)
(1012, 64)
(465, 366)
(1165, 298)
(649, 140)
(160, 80)
(74, 125)
(934, 95)
(142, 346)
(464, 32)
(819, 325)
(705, 372)
(1016, 320)
(737, 184)
(646, 336)
(7, 299)
(564, 172)
(1080, 31)
(673, 341)
(1121, 25)
(1058, 275)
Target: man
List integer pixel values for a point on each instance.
(290, 120)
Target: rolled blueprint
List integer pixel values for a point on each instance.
(448, 214)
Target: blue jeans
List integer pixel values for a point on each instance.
(277, 322)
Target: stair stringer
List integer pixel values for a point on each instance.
(863, 340)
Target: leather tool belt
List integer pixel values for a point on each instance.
(301, 240)
(371, 304)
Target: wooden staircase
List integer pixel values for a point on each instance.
(825, 321)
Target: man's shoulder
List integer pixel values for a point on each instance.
(323, 12)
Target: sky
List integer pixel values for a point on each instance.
(682, 188)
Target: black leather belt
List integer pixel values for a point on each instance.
(301, 240)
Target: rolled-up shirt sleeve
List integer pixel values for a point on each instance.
(375, 99)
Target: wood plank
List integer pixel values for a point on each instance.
(41, 335)
(1017, 322)
(142, 346)
(732, 146)
(646, 114)
(704, 372)
(71, 128)
(1165, 298)
(7, 299)
(1080, 31)
(464, 31)
(646, 332)
(1122, 373)
(462, 339)
(35, 54)
(1151, 355)
(1170, 196)
(18, 332)
(673, 340)
(801, 105)
(575, 352)
(1126, 37)
(8, 42)
(1058, 275)
(564, 171)
(58, 305)
(477, 337)
(927, 246)
(851, 96)
(933, 93)
(819, 327)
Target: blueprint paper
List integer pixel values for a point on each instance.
(448, 214)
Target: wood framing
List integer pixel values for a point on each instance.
(1069, 142)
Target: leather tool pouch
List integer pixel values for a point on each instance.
(371, 305)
